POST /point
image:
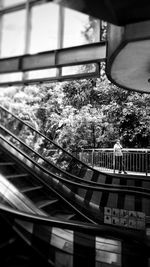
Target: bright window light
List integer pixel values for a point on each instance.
(13, 34)
(37, 74)
(44, 28)
(75, 25)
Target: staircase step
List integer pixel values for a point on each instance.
(45, 203)
(22, 175)
(64, 216)
(58, 211)
(8, 168)
(31, 188)
(7, 243)
(7, 164)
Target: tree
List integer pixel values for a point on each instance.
(82, 113)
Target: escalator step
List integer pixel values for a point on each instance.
(22, 175)
(45, 203)
(9, 168)
(64, 216)
(7, 243)
(30, 188)
(7, 164)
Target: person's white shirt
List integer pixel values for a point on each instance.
(118, 149)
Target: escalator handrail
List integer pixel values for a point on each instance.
(88, 228)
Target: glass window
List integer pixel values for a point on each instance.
(13, 34)
(10, 77)
(80, 29)
(79, 69)
(39, 74)
(44, 27)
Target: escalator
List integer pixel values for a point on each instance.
(114, 193)
(100, 202)
(54, 184)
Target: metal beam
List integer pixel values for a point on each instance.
(59, 78)
(71, 56)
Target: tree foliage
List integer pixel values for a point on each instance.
(83, 113)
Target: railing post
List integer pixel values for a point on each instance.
(146, 161)
(81, 155)
(114, 161)
(92, 157)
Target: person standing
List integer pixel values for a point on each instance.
(119, 156)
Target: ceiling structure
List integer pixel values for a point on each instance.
(128, 49)
(45, 46)
(126, 52)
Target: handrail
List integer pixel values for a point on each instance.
(105, 230)
(111, 149)
(135, 160)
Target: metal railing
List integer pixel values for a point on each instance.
(134, 160)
